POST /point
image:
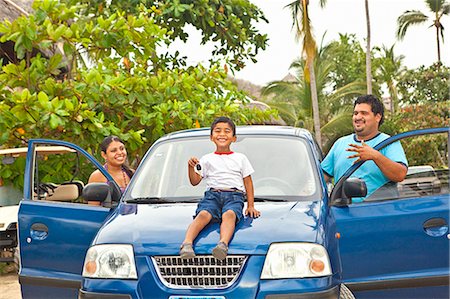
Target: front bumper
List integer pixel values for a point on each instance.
(327, 294)
(91, 295)
(248, 285)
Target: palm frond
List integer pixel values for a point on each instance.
(352, 89)
(286, 111)
(435, 5)
(341, 121)
(408, 18)
(445, 9)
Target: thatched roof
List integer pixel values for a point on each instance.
(263, 106)
(12, 9)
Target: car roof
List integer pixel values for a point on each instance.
(419, 168)
(245, 130)
(22, 151)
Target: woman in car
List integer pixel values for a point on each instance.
(115, 154)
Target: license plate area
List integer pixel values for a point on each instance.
(196, 297)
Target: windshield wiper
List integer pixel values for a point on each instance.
(145, 200)
(148, 200)
(269, 199)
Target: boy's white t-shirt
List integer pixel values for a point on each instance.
(227, 170)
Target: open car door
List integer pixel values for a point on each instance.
(56, 225)
(395, 243)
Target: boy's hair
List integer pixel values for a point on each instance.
(374, 102)
(223, 119)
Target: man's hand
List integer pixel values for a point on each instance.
(363, 152)
(252, 212)
(394, 171)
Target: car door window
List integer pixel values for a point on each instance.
(59, 174)
(427, 171)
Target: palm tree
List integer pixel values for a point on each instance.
(368, 59)
(292, 98)
(389, 71)
(302, 23)
(439, 8)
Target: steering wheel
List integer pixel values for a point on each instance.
(275, 183)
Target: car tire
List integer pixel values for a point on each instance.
(16, 259)
(346, 293)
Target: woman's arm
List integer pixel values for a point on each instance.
(97, 177)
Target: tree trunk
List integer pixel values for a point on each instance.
(368, 60)
(315, 101)
(438, 45)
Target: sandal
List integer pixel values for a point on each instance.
(220, 251)
(187, 251)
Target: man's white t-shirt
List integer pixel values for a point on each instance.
(225, 170)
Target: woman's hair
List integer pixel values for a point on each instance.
(104, 146)
(107, 141)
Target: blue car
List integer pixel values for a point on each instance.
(311, 240)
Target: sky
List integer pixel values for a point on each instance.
(338, 16)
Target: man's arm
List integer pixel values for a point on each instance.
(394, 171)
(327, 177)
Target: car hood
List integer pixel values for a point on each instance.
(159, 229)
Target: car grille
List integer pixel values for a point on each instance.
(203, 271)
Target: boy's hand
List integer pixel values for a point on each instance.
(192, 162)
(194, 176)
(252, 212)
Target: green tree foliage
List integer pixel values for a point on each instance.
(348, 60)
(425, 85)
(426, 149)
(105, 77)
(389, 70)
(229, 25)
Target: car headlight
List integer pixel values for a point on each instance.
(110, 261)
(296, 260)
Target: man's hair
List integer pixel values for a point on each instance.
(223, 119)
(376, 105)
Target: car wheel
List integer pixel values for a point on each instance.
(345, 293)
(16, 259)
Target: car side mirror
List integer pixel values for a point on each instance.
(351, 187)
(354, 187)
(98, 193)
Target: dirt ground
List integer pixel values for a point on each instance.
(9, 287)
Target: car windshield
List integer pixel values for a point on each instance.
(283, 169)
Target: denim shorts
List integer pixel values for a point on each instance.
(216, 203)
